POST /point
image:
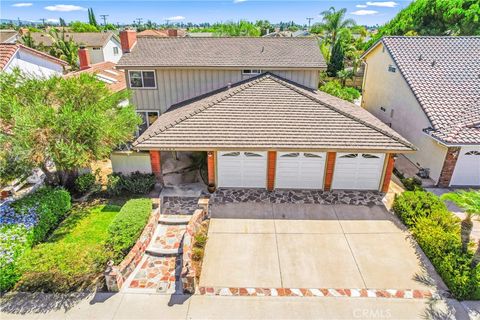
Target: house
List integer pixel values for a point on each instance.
(29, 61)
(428, 90)
(102, 46)
(104, 71)
(8, 36)
(279, 34)
(252, 105)
(161, 33)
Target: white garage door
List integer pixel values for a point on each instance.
(358, 171)
(467, 169)
(239, 169)
(300, 170)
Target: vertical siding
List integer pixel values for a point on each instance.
(176, 85)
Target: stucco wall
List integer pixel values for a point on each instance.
(402, 111)
(96, 56)
(108, 54)
(176, 85)
(34, 65)
(129, 162)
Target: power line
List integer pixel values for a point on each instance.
(309, 20)
(104, 17)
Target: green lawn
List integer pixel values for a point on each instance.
(74, 255)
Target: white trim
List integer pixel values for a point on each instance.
(142, 87)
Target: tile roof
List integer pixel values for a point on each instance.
(88, 39)
(269, 112)
(444, 75)
(108, 73)
(8, 36)
(225, 52)
(8, 50)
(153, 33)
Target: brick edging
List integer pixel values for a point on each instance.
(318, 292)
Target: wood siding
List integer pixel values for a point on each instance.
(176, 85)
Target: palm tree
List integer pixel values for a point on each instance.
(27, 40)
(64, 49)
(344, 75)
(332, 22)
(470, 202)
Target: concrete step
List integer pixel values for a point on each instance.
(162, 252)
(174, 219)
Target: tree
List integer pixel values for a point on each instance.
(91, 18)
(344, 75)
(27, 40)
(470, 202)
(68, 122)
(332, 22)
(336, 60)
(78, 26)
(64, 49)
(62, 22)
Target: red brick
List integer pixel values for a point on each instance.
(388, 172)
(448, 167)
(271, 167)
(331, 156)
(211, 167)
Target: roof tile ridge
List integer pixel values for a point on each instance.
(229, 93)
(287, 84)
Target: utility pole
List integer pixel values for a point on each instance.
(104, 17)
(139, 21)
(309, 20)
(43, 21)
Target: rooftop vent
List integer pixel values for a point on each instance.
(433, 63)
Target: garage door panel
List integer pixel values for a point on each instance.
(242, 169)
(467, 168)
(300, 170)
(360, 171)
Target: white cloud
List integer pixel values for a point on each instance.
(22, 4)
(239, 1)
(361, 6)
(364, 12)
(388, 4)
(53, 20)
(65, 8)
(176, 18)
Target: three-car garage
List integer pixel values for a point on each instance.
(299, 170)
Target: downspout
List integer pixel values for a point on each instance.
(363, 83)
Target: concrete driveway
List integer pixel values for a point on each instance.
(312, 246)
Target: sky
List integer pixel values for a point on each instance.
(123, 11)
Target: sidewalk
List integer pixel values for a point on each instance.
(156, 306)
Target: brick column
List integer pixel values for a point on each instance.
(155, 162)
(390, 163)
(331, 156)
(271, 167)
(211, 167)
(448, 166)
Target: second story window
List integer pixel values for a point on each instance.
(148, 118)
(251, 71)
(97, 48)
(142, 79)
(115, 50)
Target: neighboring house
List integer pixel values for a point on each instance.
(104, 71)
(29, 61)
(102, 46)
(286, 33)
(252, 104)
(161, 33)
(428, 89)
(8, 36)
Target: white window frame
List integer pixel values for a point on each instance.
(97, 48)
(142, 87)
(115, 51)
(146, 118)
(249, 72)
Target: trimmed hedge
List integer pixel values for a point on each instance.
(25, 223)
(127, 227)
(136, 183)
(437, 231)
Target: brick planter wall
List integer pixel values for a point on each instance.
(189, 273)
(448, 166)
(115, 275)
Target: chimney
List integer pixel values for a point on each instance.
(172, 32)
(128, 39)
(23, 31)
(84, 58)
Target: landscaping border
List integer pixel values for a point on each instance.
(116, 275)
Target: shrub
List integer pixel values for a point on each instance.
(14, 241)
(85, 182)
(412, 205)
(127, 227)
(197, 254)
(335, 89)
(136, 183)
(200, 240)
(412, 184)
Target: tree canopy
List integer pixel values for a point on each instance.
(67, 122)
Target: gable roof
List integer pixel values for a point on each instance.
(8, 50)
(108, 73)
(8, 36)
(269, 112)
(444, 75)
(221, 52)
(88, 39)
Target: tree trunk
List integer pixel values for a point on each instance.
(466, 229)
(476, 256)
(50, 177)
